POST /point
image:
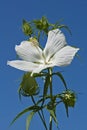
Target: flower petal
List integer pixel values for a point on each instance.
(23, 65)
(29, 52)
(64, 56)
(28, 66)
(42, 67)
(56, 40)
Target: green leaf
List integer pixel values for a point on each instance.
(52, 113)
(29, 118)
(34, 108)
(62, 78)
(19, 115)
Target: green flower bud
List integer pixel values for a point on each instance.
(42, 24)
(26, 28)
(69, 98)
(28, 86)
(51, 105)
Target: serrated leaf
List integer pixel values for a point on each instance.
(29, 118)
(62, 78)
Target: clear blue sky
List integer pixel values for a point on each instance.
(74, 14)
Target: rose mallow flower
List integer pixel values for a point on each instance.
(34, 59)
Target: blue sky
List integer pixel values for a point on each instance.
(74, 15)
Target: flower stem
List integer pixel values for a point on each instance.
(41, 116)
(51, 94)
(50, 124)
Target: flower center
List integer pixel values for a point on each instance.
(67, 96)
(45, 60)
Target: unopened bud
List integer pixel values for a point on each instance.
(42, 24)
(69, 98)
(26, 28)
(28, 86)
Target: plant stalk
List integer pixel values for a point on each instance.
(43, 120)
(51, 94)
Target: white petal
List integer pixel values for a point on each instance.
(64, 56)
(42, 67)
(23, 65)
(39, 69)
(56, 40)
(28, 52)
(28, 66)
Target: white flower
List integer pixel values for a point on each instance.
(34, 59)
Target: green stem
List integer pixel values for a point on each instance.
(51, 94)
(43, 120)
(50, 124)
(43, 115)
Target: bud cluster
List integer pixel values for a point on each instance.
(36, 27)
